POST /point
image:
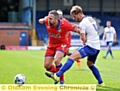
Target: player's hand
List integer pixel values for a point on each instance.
(77, 29)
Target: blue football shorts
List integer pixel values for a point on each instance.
(109, 43)
(89, 52)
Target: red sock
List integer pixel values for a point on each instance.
(52, 69)
(62, 76)
(78, 60)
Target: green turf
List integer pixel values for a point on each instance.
(30, 63)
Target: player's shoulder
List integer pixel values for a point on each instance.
(84, 22)
(106, 28)
(112, 27)
(64, 21)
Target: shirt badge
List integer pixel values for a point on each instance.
(59, 29)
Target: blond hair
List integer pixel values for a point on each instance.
(76, 9)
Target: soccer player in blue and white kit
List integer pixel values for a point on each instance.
(88, 34)
(110, 37)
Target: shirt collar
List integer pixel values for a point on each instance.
(58, 25)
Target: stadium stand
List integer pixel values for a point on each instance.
(100, 19)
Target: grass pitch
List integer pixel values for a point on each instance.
(30, 63)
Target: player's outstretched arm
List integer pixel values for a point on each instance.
(77, 29)
(42, 20)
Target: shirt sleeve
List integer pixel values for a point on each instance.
(105, 30)
(70, 27)
(82, 26)
(114, 30)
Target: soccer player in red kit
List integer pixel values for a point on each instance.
(57, 44)
(69, 37)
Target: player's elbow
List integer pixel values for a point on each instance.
(83, 39)
(41, 21)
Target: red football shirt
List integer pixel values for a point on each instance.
(57, 34)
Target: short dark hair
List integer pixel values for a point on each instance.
(54, 12)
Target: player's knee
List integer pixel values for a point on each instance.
(109, 47)
(47, 66)
(57, 61)
(89, 63)
(74, 57)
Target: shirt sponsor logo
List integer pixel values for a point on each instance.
(55, 35)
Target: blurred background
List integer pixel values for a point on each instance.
(19, 24)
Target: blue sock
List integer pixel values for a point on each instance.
(65, 67)
(59, 66)
(107, 53)
(111, 53)
(69, 54)
(96, 73)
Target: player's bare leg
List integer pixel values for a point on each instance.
(70, 61)
(78, 61)
(57, 59)
(48, 64)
